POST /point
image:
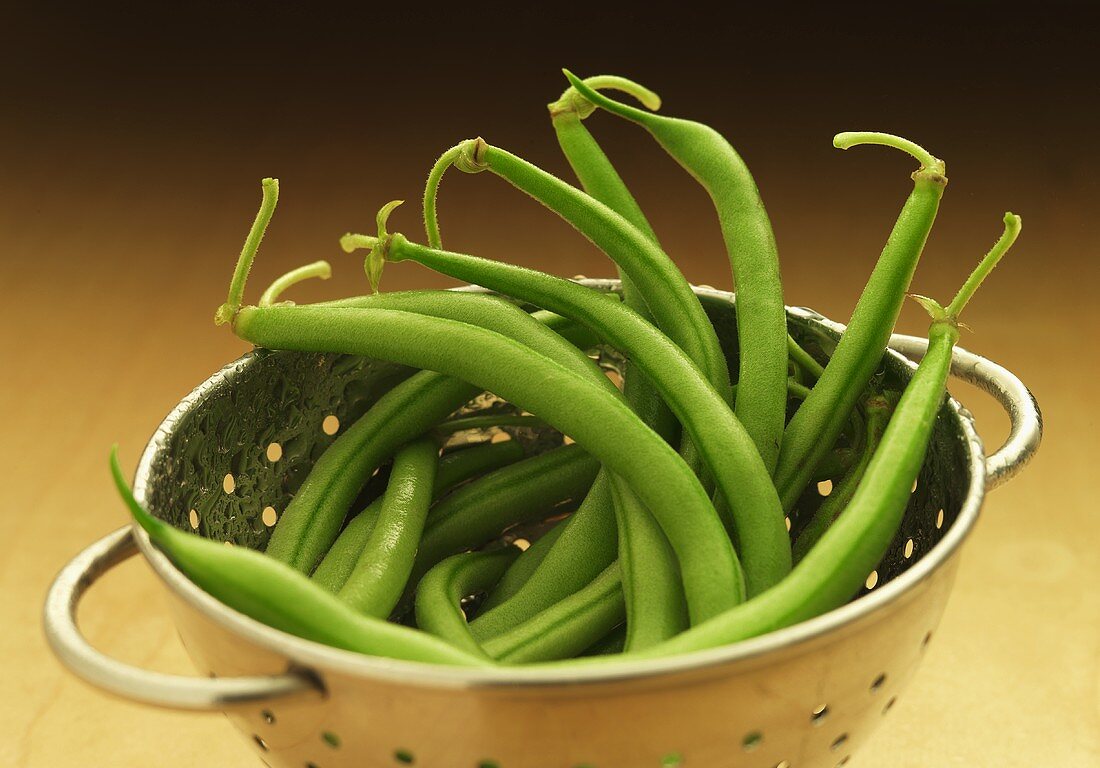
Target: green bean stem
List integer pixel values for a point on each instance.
(440, 593)
(750, 243)
(565, 399)
(226, 312)
(757, 520)
(281, 597)
(318, 269)
(566, 628)
(835, 568)
(819, 420)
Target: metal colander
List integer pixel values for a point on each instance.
(231, 455)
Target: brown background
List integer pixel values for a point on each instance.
(131, 146)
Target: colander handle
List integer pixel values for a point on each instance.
(111, 675)
(1023, 412)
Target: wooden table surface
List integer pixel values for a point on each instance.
(116, 252)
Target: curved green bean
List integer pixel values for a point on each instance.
(566, 628)
(750, 243)
(454, 467)
(384, 565)
(439, 594)
(587, 545)
(655, 607)
(524, 492)
(462, 464)
(523, 568)
(311, 522)
(283, 598)
(338, 563)
(817, 423)
(490, 312)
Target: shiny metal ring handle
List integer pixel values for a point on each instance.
(113, 676)
(1023, 412)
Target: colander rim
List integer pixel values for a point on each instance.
(302, 653)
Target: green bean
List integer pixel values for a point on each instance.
(524, 492)
(757, 521)
(878, 409)
(814, 428)
(488, 421)
(281, 597)
(835, 568)
(613, 643)
(568, 401)
(490, 312)
(575, 333)
(663, 287)
(655, 607)
(657, 610)
(586, 547)
(440, 592)
(520, 572)
(454, 467)
(338, 563)
(462, 464)
(761, 315)
(803, 359)
(383, 568)
(566, 628)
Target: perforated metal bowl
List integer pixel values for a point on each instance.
(230, 456)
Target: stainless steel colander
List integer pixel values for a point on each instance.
(231, 455)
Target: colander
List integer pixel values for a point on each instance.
(230, 456)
